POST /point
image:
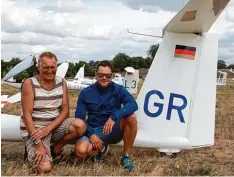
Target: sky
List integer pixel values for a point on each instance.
(95, 29)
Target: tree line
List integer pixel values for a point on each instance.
(223, 65)
(119, 62)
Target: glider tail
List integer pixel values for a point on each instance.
(177, 100)
(80, 74)
(62, 69)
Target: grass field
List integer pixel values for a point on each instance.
(215, 160)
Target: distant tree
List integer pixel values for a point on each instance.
(134, 62)
(7, 66)
(15, 61)
(79, 65)
(92, 63)
(222, 64)
(3, 68)
(120, 61)
(148, 62)
(230, 66)
(152, 51)
(142, 62)
(21, 76)
(96, 64)
(71, 70)
(89, 71)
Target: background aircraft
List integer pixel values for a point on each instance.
(130, 81)
(232, 72)
(222, 79)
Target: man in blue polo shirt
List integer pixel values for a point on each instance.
(108, 122)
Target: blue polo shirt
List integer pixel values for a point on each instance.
(103, 103)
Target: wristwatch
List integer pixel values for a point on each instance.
(36, 142)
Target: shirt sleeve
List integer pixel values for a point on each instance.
(80, 113)
(130, 105)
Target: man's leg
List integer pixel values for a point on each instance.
(46, 166)
(84, 148)
(71, 128)
(125, 129)
(129, 127)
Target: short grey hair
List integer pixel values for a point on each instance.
(47, 54)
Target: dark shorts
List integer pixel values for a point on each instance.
(115, 137)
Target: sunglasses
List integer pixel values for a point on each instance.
(101, 75)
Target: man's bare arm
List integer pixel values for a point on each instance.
(64, 114)
(27, 101)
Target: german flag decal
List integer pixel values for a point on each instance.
(185, 52)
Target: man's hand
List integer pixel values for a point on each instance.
(40, 153)
(40, 133)
(96, 142)
(108, 126)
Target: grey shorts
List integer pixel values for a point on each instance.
(55, 136)
(115, 137)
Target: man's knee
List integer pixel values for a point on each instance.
(45, 167)
(132, 120)
(79, 125)
(82, 149)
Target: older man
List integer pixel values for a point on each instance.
(45, 115)
(108, 122)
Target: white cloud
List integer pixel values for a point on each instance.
(67, 6)
(154, 5)
(85, 30)
(30, 38)
(227, 51)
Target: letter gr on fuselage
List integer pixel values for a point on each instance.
(171, 105)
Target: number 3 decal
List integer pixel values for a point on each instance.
(134, 86)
